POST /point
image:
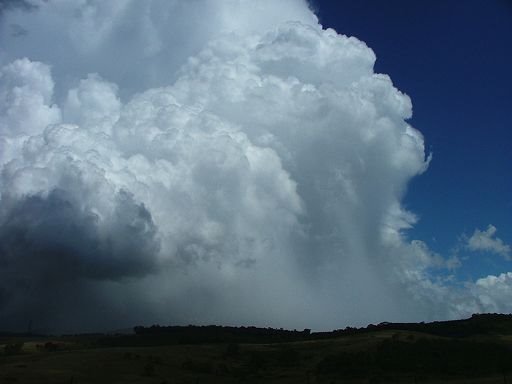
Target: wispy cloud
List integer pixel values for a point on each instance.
(487, 241)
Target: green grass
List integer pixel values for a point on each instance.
(374, 357)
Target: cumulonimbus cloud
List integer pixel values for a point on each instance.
(246, 166)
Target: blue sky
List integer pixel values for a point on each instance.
(454, 59)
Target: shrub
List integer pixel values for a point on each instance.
(51, 346)
(13, 349)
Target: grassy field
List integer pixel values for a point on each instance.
(475, 350)
(373, 357)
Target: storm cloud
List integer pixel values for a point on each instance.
(207, 162)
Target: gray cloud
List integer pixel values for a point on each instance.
(50, 243)
(6, 5)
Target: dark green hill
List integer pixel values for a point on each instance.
(478, 324)
(481, 324)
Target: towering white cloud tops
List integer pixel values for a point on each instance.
(205, 161)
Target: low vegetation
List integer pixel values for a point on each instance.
(477, 350)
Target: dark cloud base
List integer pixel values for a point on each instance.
(52, 250)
